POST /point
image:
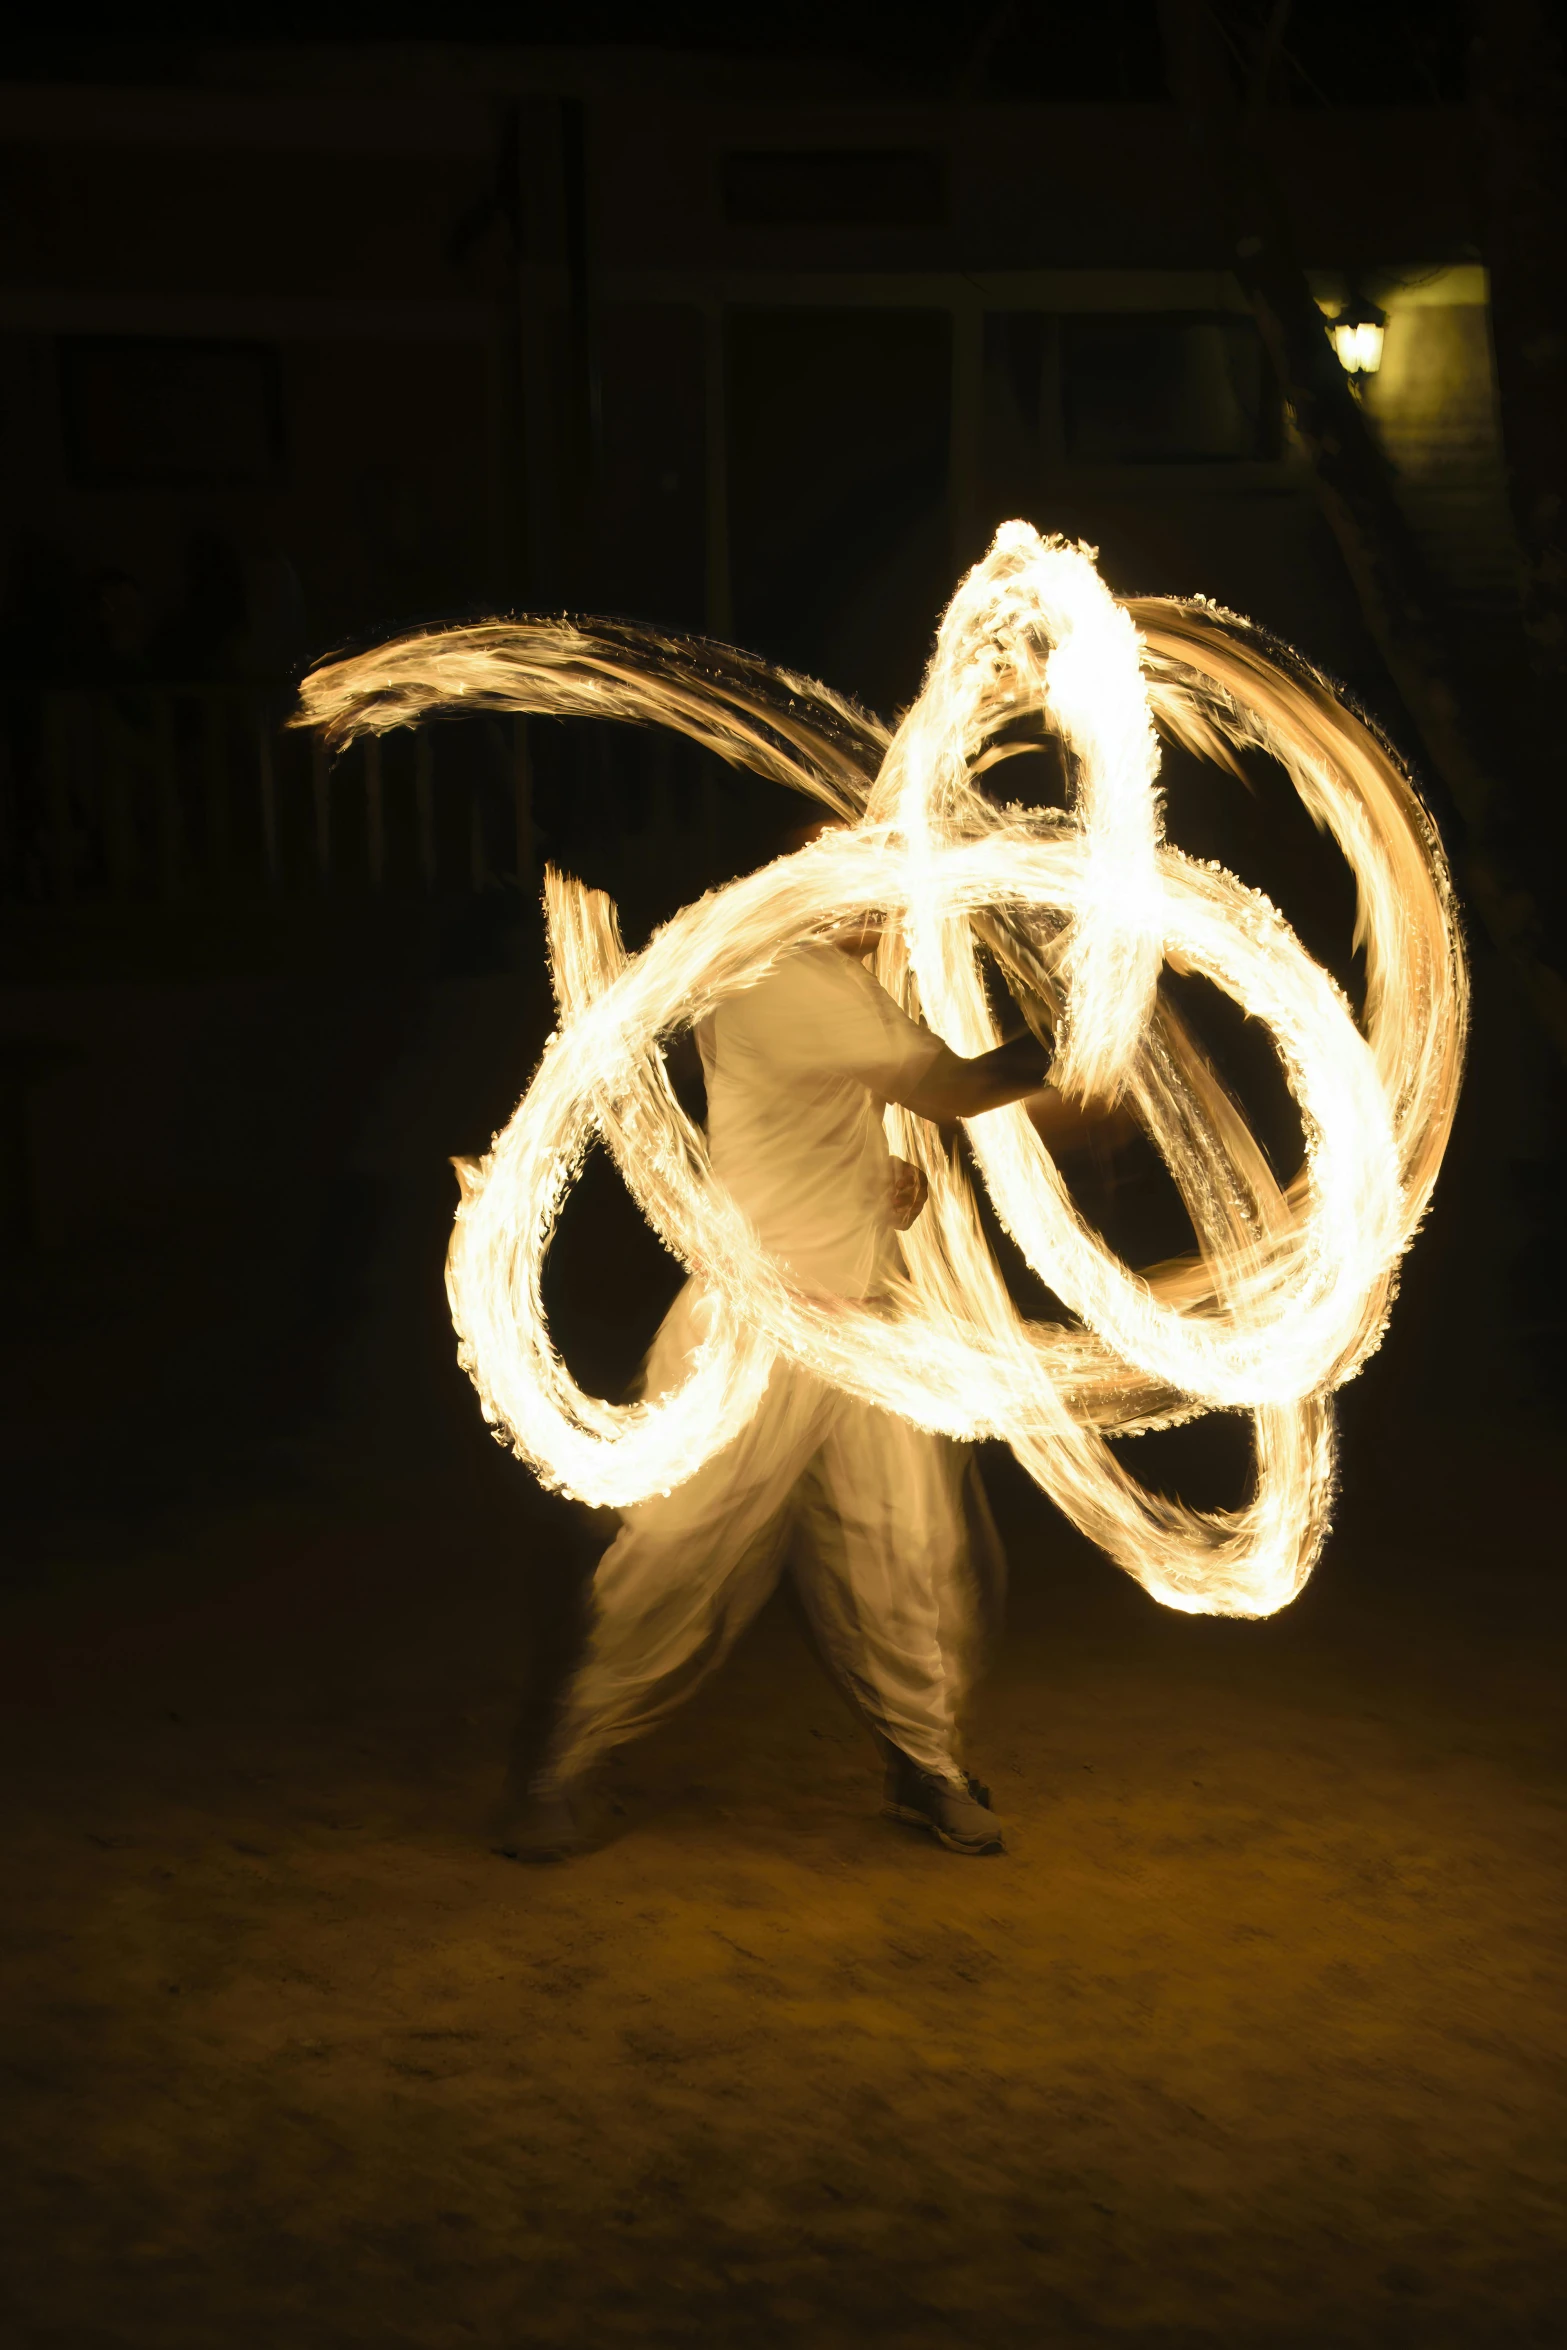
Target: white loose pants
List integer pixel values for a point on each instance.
(881, 1554)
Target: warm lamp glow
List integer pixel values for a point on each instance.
(1290, 1284)
(1358, 341)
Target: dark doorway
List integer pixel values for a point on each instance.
(840, 544)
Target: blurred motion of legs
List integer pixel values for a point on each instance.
(884, 1564)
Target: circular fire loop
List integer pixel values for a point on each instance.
(1289, 1288)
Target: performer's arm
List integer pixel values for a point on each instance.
(929, 1078)
(949, 1087)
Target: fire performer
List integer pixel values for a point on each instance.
(1283, 1298)
(798, 1070)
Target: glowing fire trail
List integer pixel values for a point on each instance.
(1289, 1289)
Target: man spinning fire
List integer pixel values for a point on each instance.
(871, 1509)
(1284, 1295)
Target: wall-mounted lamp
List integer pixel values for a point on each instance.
(1357, 336)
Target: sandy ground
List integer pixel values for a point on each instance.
(1255, 2036)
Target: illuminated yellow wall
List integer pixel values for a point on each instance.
(1433, 402)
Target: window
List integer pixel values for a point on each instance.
(1166, 389)
(883, 187)
(149, 410)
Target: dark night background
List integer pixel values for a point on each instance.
(318, 322)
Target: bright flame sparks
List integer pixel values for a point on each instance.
(1289, 1289)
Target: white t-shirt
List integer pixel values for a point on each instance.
(799, 1069)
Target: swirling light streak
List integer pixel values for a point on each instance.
(1289, 1288)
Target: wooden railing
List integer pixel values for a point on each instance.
(166, 791)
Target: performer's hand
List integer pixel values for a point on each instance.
(1066, 1127)
(908, 1194)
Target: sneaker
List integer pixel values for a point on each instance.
(541, 1823)
(955, 1811)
